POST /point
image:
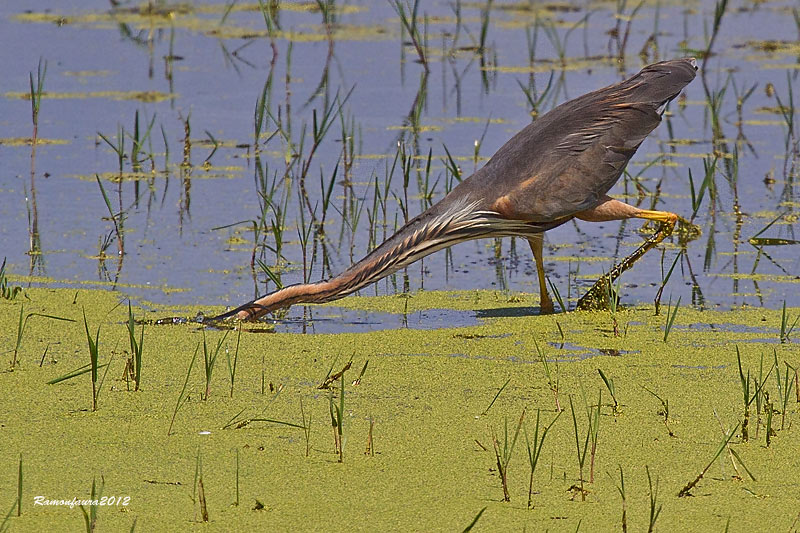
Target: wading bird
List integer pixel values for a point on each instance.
(558, 168)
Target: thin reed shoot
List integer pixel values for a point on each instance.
(306, 427)
(593, 414)
(708, 184)
(210, 360)
(90, 516)
(232, 364)
(94, 361)
(612, 294)
(670, 319)
(769, 408)
(357, 381)
(36, 91)
(503, 453)
(5, 525)
(536, 101)
(788, 111)
(557, 295)
(236, 501)
(552, 377)
(784, 385)
(664, 410)
(337, 419)
(486, 411)
(182, 398)
(655, 507)
(580, 449)
(370, 449)
(535, 450)
(664, 280)
(198, 488)
(747, 397)
(410, 23)
(474, 521)
(686, 490)
(787, 329)
(19, 487)
(621, 489)
(611, 389)
(135, 364)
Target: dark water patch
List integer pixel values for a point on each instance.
(343, 320)
(508, 312)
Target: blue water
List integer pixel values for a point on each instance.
(213, 72)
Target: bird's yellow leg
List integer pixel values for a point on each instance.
(596, 296)
(545, 303)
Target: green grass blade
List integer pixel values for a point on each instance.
(496, 396)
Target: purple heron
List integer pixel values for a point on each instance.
(557, 168)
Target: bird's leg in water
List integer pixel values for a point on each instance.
(545, 302)
(596, 296)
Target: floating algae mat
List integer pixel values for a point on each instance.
(420, 414)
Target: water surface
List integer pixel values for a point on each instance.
(194, 74)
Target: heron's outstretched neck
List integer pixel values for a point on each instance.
(285, 297)
(435, 229)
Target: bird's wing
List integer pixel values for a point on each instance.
(568, 159)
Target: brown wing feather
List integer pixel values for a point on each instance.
(569, 158)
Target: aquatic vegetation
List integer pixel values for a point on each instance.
(210, 361)
(19, 488)
(336, 411)
(499, 391)
(786, 329)
(410, 23)
(435, 382)
(90, 516)
(748, 397)
(198, 488)
(621, 489)
(35, 96)
(686, 490)
(182, 398)
(655, 507)
(504, 451)
(134, 364)
(552, 378)
(611, 389)
(593, 414)
(275, 98)
(232, 363)
(7, 292)
(535, 450)
(670, 317)
(307, 429)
